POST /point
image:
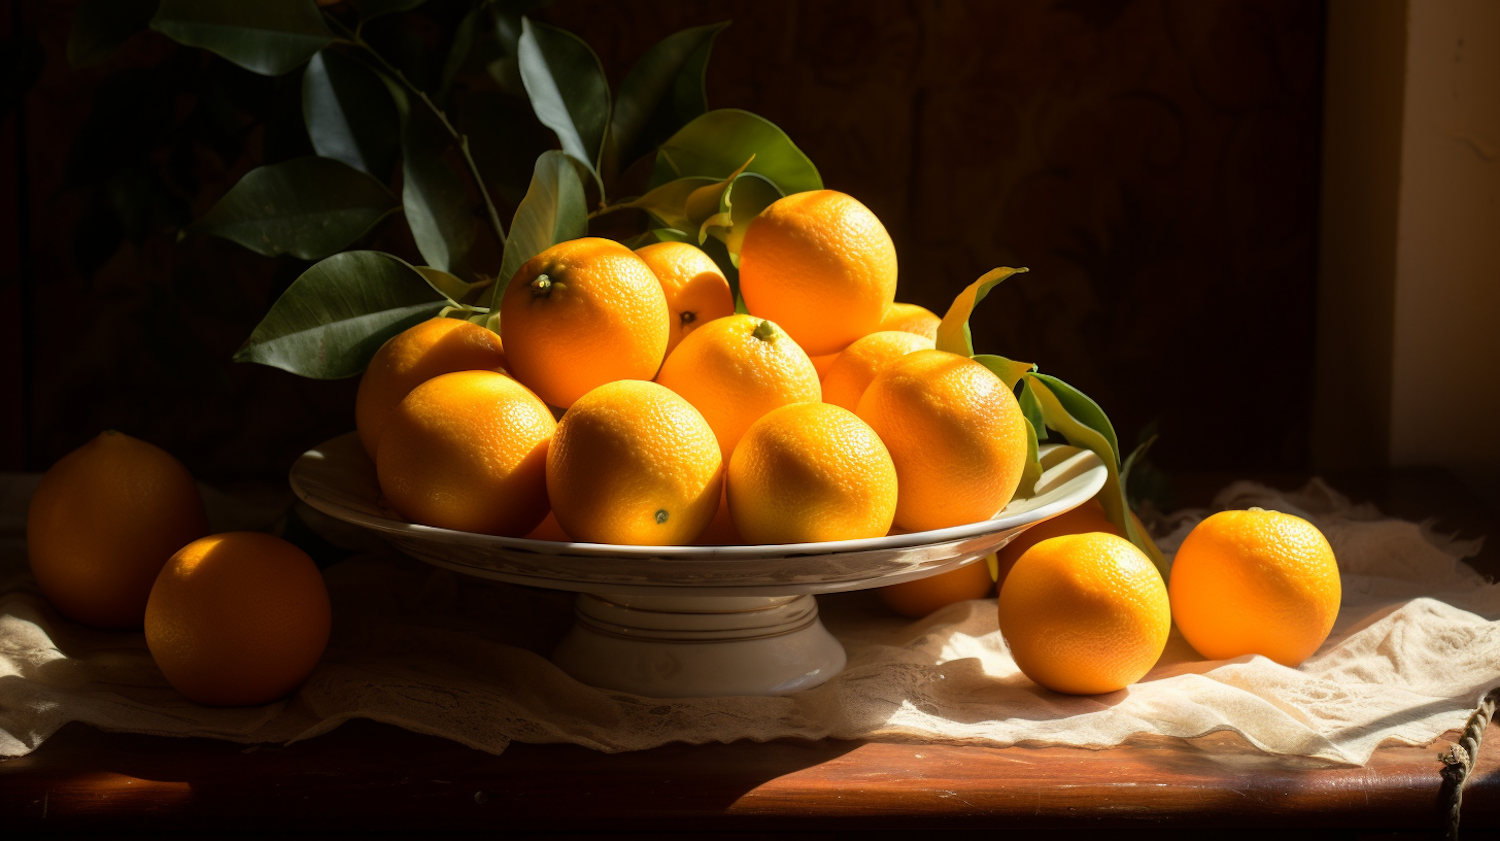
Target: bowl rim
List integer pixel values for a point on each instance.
(1076, 462)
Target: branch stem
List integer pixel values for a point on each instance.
(353, 37)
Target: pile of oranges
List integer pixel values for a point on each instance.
(624, 401)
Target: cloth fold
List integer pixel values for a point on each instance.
(1416, 644)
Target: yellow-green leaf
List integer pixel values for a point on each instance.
(1080, 434)
(953, 333)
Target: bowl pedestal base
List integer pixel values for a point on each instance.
(691, 646)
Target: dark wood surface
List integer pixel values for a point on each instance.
(371, 776)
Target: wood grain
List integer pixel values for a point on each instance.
(373, 776)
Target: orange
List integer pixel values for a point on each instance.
(549, 530)
(721, 530)
(580, 314)
(1255, 582)
(414, 356)
(735, 369)
(915, 599)
(1087, 517)
(1085, 613)
(956, 434)
(468, 451)
(697, 292)
(911, 318)
(820, 265)
(853, 370)
(238, 619)
(634, 463)
(821, 364)
(811, 472)
(103, 521)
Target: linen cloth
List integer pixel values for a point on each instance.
(1416, 644)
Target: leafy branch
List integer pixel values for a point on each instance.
(353, 38)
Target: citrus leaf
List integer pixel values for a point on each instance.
(1032, 410)
(1082, 407)
(372, 9)
(715, 143)
(1009, 371)
(1031, 473)
(553, 211)
(668, 203)
(307, 207)
(953, 332)
(726, 209)
(349, 114)
(567, 88)
(1080, 433)
(269, 37)
(334, 317)
(458, 51)
(101, 26)
(433, 195)
(662, 92)
(453, 288)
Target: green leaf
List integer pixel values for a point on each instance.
(1032, 410)
(714, 144)
(668, 203)
(726, 209)
(455, 289)
(372, 9)
(334, 317)
(953, 333)
(1082, 407)
(306, 207)
(433, 195)
(567, 88)
(553, 211)
(101, 26)
(349, 114)
(458, 51)
(1031, 473)
(662, 92)
(269, 37)
(1009, 371)
(1082, 432)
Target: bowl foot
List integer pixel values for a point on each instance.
(684, 647)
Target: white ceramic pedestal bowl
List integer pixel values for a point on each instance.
(693, 621)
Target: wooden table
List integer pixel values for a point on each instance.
(371, 776)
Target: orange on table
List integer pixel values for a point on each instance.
(468, 451)
(696, 291)
(103, 521)
(956, 434)
(414, 356)
(811, 472)
(580, 314)
(735, 369)
(1255, 582)
(911, 318)
(853, 370)
(1085, 518)
(1085, 613)
(820, 265)
(238, 619)
(634, 463)
(916, 599)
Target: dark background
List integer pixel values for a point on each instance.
(1154, 163)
